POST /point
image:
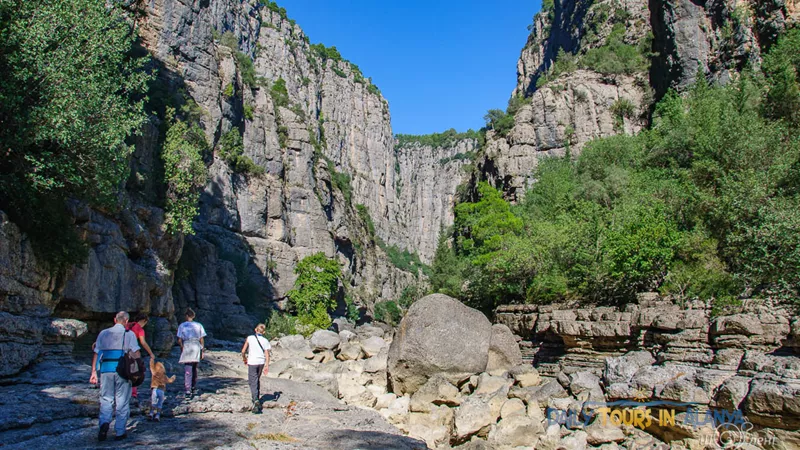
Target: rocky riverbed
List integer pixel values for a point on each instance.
(53, 406)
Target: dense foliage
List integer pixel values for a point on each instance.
(71, 93)
(315, 290)
(184, 173)
(704, 204)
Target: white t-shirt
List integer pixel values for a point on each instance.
(255, 356)
(191, 330)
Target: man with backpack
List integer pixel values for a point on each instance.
(114, 345)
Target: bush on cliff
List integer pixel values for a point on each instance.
(71, 93)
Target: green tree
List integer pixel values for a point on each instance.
(71, 93)
(315, 290)
(184, 172)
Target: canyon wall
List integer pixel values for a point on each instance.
(579, 97)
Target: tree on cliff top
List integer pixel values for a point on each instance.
(71, 93)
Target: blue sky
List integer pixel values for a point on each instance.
(440, 63)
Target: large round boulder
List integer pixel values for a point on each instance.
(438, 335)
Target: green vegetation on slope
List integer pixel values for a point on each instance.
(71, 93)
(704, 204)
(435, 140)
(615, 57)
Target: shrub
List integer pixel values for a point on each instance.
(617, 57)
(315, 289)
(248, 112)
(246, 69)
(280, 324)
(388, 312)
(228, 91)
(231, 149)
(279, 94)
(341, 182)
(363, 214)
(353, 311)
(229, 40)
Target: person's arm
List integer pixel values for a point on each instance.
(244, 352)
(180, 342)
(266, 361)
(152, 366)
(144, 345)
(93, 378)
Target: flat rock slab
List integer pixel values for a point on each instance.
(62, 413)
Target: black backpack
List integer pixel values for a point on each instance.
(130, 367)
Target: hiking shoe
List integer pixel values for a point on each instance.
(256, 407)
(187, 396)
(121, 437)
(194, 392)
(157, 418)
(103, 433)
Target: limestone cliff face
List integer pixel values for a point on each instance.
(252, 229)
(716, 38)
(568, 109)
(427, 181)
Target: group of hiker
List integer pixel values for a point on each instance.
(117, 353)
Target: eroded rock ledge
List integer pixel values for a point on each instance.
(659, 350)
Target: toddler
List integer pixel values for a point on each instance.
(158, 384)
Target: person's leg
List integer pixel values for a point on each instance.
(259, 369)
(123, 397)
(194, 376)
(187, 378)
(160, 403)
(106, 399)
(153, 401)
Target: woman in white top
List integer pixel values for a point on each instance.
(190, 338)
(255, 353)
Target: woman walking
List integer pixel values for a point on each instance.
(137, 327)
(190, 338)
(255, 353)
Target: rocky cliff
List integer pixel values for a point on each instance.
(428, 177)
(319, 136)
(593, 68)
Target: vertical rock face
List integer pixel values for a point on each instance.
(327, 147)
(562, 112)
(715, 38)
(427, 180)
(253, 229)
(685, 38)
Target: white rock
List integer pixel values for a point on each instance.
(349, 352)
(373, 346)
(515, 431)
(488, 384)
(512, 407)
(384, 400)
(346, 335)
(324, 340)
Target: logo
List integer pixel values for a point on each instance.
(731, 429)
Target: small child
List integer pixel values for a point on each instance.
(158, 384)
